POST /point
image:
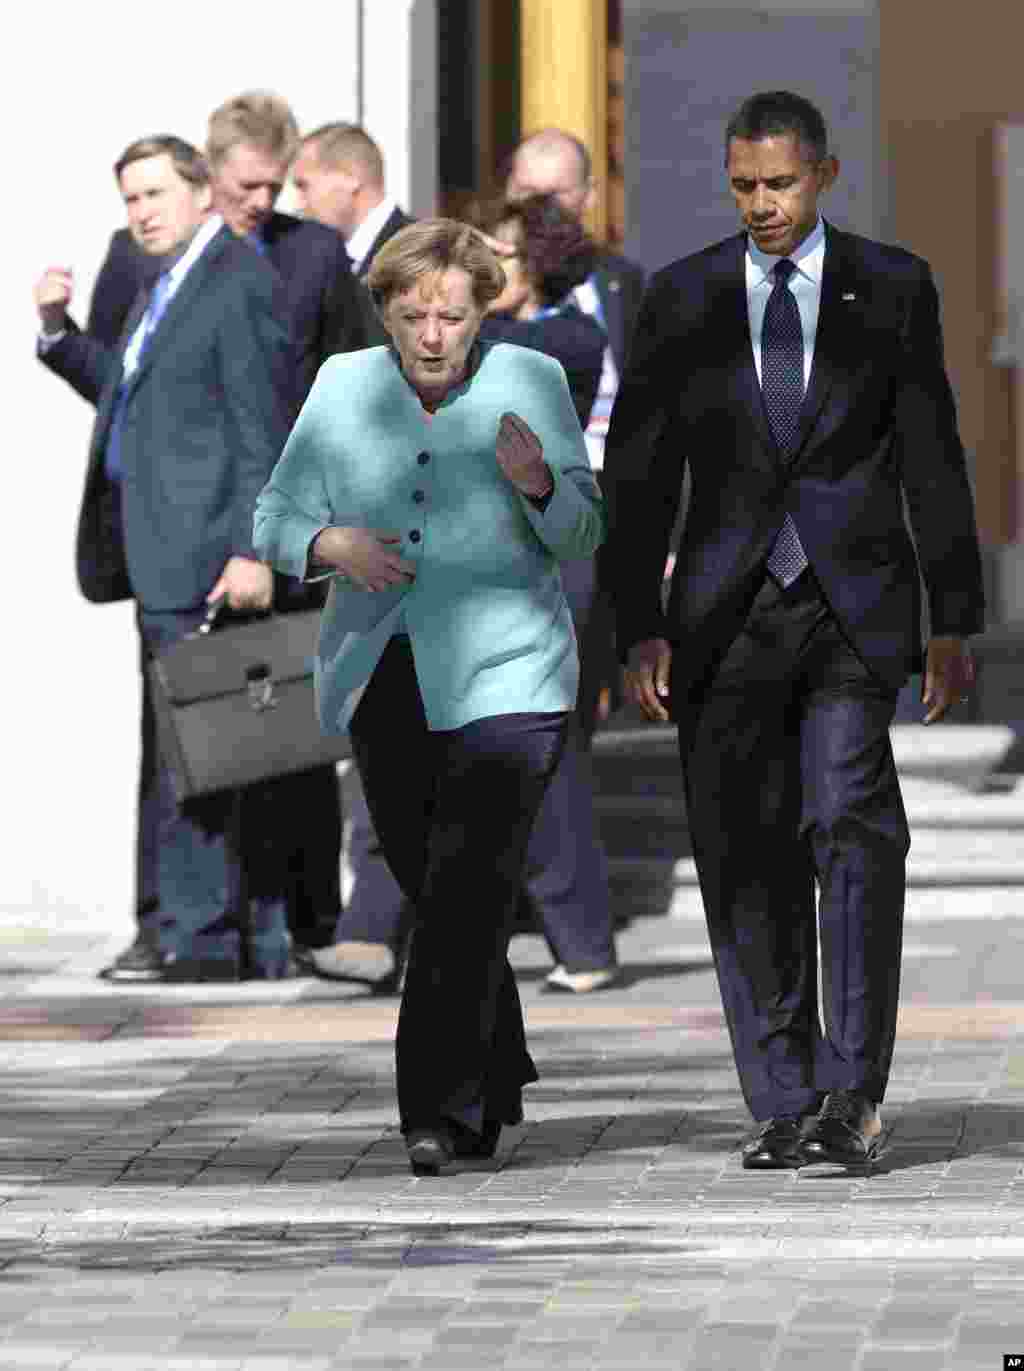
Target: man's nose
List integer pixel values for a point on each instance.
(761, 204)
(431, 334)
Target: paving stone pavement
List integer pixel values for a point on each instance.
(210, 1178)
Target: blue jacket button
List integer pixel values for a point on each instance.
(415, 536)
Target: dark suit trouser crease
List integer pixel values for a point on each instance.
(566, 882)
(791, 788)
(454, 810)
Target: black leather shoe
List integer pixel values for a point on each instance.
(429, 1149)
(776, 1145)
(143, 961)
(847, 1131)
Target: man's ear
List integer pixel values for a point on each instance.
(828, 171)
(590, 199)
(205, 197)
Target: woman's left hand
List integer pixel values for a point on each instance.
(521, 457)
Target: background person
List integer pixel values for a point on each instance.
(554, 162)
(251, 141)
(339, 179)
(566, 888)
(798, 370)
(460, 472)
(192, 411)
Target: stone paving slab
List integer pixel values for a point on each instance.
(211, 1177)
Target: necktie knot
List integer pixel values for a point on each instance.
(783, 270)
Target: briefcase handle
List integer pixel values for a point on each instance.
(212, 610)
(259, 679)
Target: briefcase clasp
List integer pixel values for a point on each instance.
(260, 685)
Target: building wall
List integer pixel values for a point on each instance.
(938, 121)
(79, 89)
(689, 65)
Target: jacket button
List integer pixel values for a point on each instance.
(418, 497)
(423, 458)
(415, 536)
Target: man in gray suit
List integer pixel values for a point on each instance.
(193, 407)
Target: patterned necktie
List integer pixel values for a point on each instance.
(154, 311)
(782, 385)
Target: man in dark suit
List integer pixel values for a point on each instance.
(339, 178)
(193, 407)
(798, 369)
(251, 140)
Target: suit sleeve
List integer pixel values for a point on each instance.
(643, 476)
(934, 475)
(293, 506)
(84, 362)
(344, 316)
(572, 521)
(257, 369)
(120, 279)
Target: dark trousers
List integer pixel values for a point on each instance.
(791, 785)
(225, 879)
(565, 890)
(454, 810)
(566, 886)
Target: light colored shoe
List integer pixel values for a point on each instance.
(581, 982)
(369, 963)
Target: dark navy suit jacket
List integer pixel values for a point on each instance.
(327, 315)
(878, 423)
(620, 288)
(571, 337)
(208, 411)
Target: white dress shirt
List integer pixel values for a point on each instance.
(360, 243)
(206, 233)
(805, 283)
(588, 300)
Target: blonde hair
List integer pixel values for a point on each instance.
(347, 145)
(258, 117)
(427, 248)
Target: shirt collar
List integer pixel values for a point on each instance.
(206, 232)
(808, 258)
(362, 240)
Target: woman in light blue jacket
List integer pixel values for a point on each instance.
(438, 482)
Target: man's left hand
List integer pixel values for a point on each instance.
(948, 675)
(521, 457)
(247, 584)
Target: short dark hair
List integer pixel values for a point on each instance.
(189, 162)
(555, 250)
(775, 112)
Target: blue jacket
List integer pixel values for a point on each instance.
(490, 629)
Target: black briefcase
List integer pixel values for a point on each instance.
(235, 706)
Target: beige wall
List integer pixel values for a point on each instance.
(943, 88)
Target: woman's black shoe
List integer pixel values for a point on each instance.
(429, 1149)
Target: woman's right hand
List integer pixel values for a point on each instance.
(365, 556)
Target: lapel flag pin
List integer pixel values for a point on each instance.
(614, 284)
(849, 295)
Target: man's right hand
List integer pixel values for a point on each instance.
(53, 295)
(365, 556)
(646, 677)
